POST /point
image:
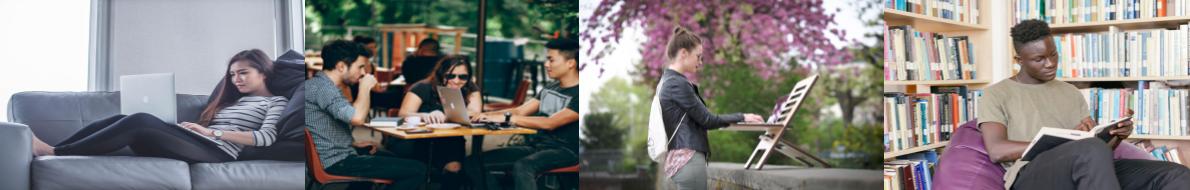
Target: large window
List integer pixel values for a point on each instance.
(43, 47)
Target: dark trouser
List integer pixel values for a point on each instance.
(435, 151)
(522, 162)
(146, 135)
(405, 173)
(1088, 164)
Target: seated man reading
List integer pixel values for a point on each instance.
(1014, 110)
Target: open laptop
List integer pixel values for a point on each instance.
(453, 106)
(771, 121)
(152, 94)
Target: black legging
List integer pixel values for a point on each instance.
(146, 135)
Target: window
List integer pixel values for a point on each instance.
(43, 47)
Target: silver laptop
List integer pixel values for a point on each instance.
(153, 94)
(453, 106)
(149, 93)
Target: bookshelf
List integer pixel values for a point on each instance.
(972, 31)
(979, 37)
(1172, 20)
(1159, 137)
(1146, 23)
(928, 23)
(1123, 79)
(894, 154)
(936, 82)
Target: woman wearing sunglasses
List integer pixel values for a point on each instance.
(423, 101)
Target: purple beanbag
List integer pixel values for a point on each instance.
(964, 163)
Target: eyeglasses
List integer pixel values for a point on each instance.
(455, 76)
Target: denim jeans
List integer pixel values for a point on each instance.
(405, 173)
(523, 163)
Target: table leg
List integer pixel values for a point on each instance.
(429, 162)
(477, 152)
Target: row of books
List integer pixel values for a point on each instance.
(1163, 153)
(1115, 53)
(913, 120)
(915, 55)
(1157, 111)
(1083, 11)
(966, 11)
(913, 172)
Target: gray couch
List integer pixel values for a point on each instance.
(54, 116)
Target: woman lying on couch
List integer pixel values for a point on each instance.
(242, 113)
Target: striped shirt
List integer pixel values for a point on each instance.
(255, 114)
(328, 115)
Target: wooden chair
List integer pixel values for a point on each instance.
(557, 178)
(561, 178)
(771, 140)
(521, 91)
(321, 178)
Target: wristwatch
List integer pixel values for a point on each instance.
(507, 119)
(218, 134)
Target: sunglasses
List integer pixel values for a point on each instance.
(454, 76)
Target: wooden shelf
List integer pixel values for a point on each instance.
(1124, 79)
(1132, 24)
(936, 82)
(894, 154)
(927, 23)
(1160, 137)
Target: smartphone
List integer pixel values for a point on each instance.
(418, 131)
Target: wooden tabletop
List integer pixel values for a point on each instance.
(460, 131)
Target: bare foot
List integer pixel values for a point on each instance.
(40, 148)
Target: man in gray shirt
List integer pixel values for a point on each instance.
(329, 117)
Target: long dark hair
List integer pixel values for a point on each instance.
(226, 93)
(438, 78)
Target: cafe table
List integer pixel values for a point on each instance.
(476, 134)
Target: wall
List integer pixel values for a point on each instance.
(192, 39)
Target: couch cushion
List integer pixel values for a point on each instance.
(289, 72)
(16, 145)
(109, 172)
(54, 116)
(258, 174)
(965, 163)
(286, 150)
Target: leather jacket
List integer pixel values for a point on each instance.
(680, 97)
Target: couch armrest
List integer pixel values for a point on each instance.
(16, 152)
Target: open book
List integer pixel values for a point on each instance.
(1048, 138)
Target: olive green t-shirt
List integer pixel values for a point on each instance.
(1025, 108)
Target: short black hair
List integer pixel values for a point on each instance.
(565, 46)
(341, 50)
(363, 40)
(430, 42)
(1029, 31)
